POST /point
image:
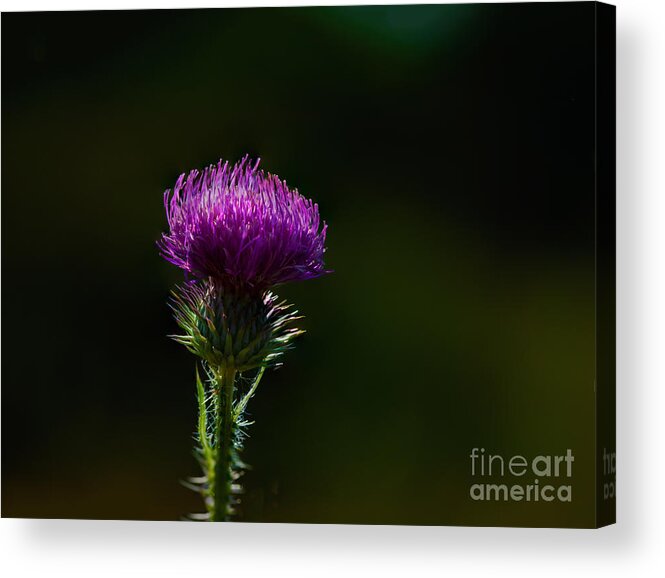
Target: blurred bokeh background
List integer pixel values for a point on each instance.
(450, 149)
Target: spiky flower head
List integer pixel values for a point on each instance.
(242, 227)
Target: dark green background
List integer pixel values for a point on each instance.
(450, 149)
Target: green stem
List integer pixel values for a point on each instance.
(224, 421)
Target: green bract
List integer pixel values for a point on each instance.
(232, 330)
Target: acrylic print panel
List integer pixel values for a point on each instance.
(416, 291)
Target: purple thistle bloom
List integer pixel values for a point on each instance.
(242, 227)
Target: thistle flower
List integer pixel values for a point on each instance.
(242, 227)
(236, 232)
